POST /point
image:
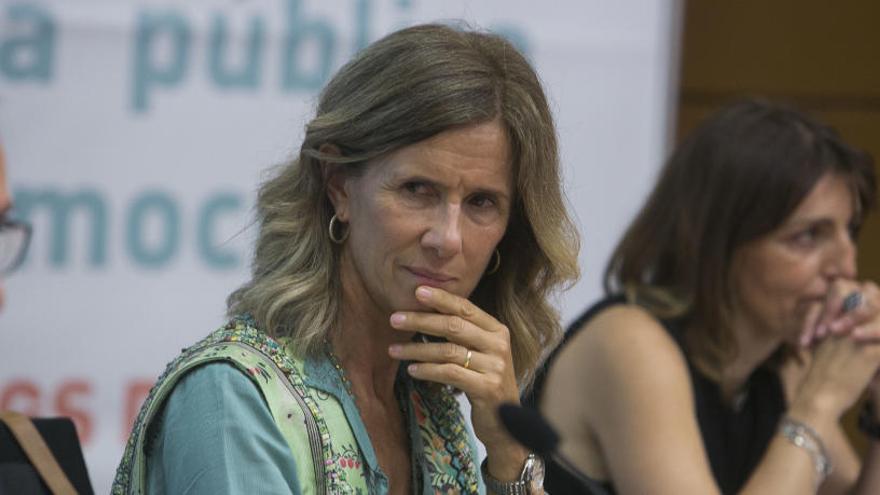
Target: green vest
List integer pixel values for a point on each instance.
(313, 423)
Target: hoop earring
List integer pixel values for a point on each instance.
(496, 265)
(332, 231)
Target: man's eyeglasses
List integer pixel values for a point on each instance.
(14, 239)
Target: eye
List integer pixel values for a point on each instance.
(807, 237)
(854, 228)
(416, 188)
(483, 201)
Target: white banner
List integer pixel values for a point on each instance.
(137, 132)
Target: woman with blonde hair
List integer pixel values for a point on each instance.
(409, 250)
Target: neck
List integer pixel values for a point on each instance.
(754, 347)
(362, 340)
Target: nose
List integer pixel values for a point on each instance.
(443, 235)
(842, 259)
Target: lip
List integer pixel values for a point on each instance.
(429, 277)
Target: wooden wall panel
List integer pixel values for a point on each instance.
(827, 50)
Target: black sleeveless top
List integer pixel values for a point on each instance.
(734, 439)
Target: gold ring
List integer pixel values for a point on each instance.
(467, 360)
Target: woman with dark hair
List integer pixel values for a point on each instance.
(735, 332)
(430, 166)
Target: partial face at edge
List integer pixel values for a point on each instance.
(5, 197)
(5, 202)
(778, 276)
(431, 213)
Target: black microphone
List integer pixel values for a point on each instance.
(529, 428)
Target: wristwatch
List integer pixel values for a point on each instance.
(530, 481)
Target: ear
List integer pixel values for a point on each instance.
(336, 181)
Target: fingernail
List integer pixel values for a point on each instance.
(398, 318)
(820, 331)
(412, 368)
(423, 291)
(836, 326)
(394, 349)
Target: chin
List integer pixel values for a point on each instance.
(408, 303)
(792, 334)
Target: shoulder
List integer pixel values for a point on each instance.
(214, 396)
(618, 378)
(623, 357)
(216, 432)
(623, 336)
(218, 381)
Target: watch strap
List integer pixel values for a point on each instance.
(493, 485)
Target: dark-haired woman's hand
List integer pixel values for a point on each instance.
(850, 307)
(476, 359)
(840, 368)
(844, 333)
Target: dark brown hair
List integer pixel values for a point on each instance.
(737, 177)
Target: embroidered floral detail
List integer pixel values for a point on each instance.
(449, 463)
(446, 458)
(260, 371)
(348, 458)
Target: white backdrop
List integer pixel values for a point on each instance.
(136, 132)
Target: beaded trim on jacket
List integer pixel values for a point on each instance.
(446, 460)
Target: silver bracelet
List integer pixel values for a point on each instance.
(802, 435)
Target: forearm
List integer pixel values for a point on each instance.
(791, 464)
(869, 477)
(506, 464)
(785, 469)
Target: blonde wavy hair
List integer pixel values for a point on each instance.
(402, 89)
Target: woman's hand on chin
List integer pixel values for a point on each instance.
(476, 359)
